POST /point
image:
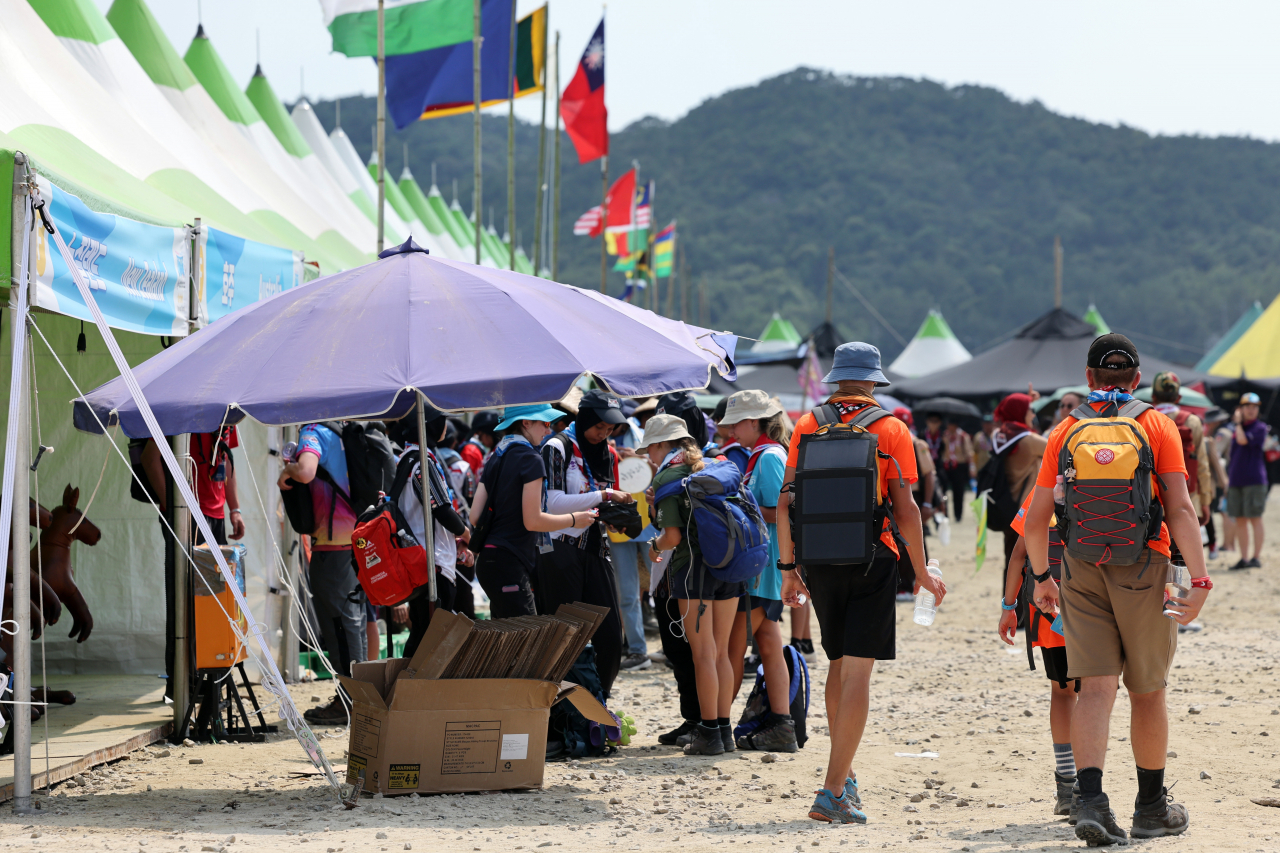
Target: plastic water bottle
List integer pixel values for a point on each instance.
(944, 530)
(926, 605)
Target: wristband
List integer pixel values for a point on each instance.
(1041, 578)
(1205, 583)
(786, 567)
(236, 512)
(573, 520)
(1013, 606)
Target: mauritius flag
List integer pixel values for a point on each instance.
(664, 247)
(582, 104)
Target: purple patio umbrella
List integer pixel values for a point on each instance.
(363, 342)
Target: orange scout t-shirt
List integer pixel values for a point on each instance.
(1166, 447)
(1046, 637)
(894, 439)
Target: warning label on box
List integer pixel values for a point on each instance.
(403, 776)
(355, 764)
(471, 747)
(366, 735)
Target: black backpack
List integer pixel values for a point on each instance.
(837, 516)
(371, 471)
(1002, 503)
(139, 484)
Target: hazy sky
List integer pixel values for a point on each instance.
(1170, 67)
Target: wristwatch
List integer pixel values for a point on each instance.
(786, 567)
(1041, 578)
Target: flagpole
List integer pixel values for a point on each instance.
(511, 144)
(555, 213)
(382, 123)
(671, 283)
(478, 196)
(542, 155)
(604, 223)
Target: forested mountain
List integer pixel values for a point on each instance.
(931, 196)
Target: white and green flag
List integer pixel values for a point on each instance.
(410, 26)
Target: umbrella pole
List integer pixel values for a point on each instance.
(427, 523)
(382, 125)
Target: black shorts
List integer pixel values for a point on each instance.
(772, 606)
(691, 583)
(1055, 666)
(856, 608)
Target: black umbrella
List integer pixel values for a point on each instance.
(948, 407)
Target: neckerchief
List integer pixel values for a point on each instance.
(852, 403)
(1170, 409)
(675, 457)
(762, 444)
(571, 433)
(1110, 395)
(725, 448)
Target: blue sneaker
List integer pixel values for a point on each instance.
(829, 808)
(851, 793)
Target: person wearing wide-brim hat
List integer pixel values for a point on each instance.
(512, 486)
(855, 604)
(706, 604)
(582, 472)
(760, 425)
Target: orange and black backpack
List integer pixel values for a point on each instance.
(1107, 469)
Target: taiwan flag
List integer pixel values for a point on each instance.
(582, 104)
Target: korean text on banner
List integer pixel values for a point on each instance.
(138, 272)
(232, 272)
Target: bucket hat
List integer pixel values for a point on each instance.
(749, 404)
(534, 412)
(662, 428)
(857, 361)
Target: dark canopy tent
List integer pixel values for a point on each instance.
(1048, 353)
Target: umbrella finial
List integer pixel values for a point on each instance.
(405, 248)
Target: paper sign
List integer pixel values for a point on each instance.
(515, 747)
(233, 272)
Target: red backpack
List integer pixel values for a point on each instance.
(1188, 451)
(390, 562)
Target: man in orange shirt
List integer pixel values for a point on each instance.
(855, 603)
(1112, 614)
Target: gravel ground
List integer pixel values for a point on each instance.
(955, 690)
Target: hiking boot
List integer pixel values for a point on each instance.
(705, 741)
(1190, 628)
(851, 792)
(1096, 823)
(726, 737)
(1163, 817)
(633, 663)
(672, 738)
(1240, 566)
(1066, 790)
(778, 736)
(829, 808)
(332, 714)
(1074, 814)
(1255, 563)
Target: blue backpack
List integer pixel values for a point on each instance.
(732, 535)
(753, 716)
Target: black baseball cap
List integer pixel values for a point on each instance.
(1105, 348)
(485, 422)
(608, 407)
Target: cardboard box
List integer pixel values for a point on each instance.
(451, 735)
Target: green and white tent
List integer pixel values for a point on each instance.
(778, 336)
(935, 347)
(1094, 317)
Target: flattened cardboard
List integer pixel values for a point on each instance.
(445, 637)
(587, 705)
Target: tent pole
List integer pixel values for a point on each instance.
(22, 589)
(428, 533)
(181, 594)
(511, 146)
(542, 160)
(555, 206)
(289, 646)
(382, 124)
(477, 195)
(1057, 271)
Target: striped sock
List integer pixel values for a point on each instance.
(1065, 759)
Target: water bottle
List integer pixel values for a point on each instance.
(926, 606)
(944, 530)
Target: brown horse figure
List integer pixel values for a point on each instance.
(49, 606)
(55, 556)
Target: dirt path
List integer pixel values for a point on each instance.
(954, 690)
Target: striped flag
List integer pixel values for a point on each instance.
(664, 249)
(411, 25)
(588, 224)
